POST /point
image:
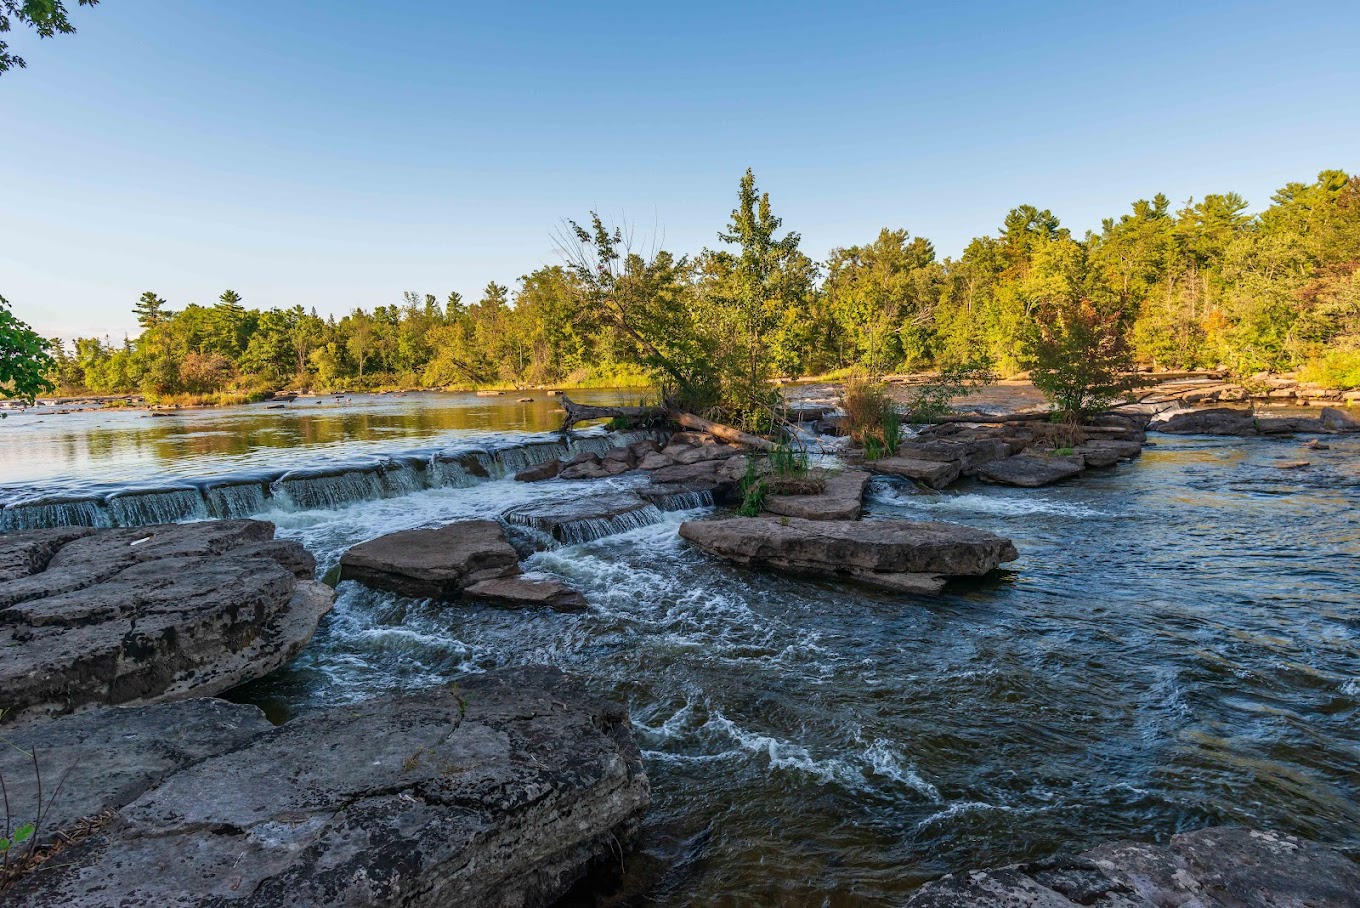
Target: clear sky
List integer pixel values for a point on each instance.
(334, 153)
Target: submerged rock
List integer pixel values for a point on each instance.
(1208, 868)
(155, 613)
(528, 591)
(1031, 472)
(898, 555)
(503, 789)
(841, 499)
(433, 563)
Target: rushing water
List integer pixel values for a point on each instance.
(1178, 645)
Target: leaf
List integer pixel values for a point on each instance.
(23, 833)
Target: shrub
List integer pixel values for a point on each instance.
(871, 417)
(1079, 358)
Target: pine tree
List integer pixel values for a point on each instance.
(150, 310)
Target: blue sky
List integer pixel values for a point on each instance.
(335, 153)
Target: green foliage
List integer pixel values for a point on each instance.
(753, 490)
(47, 18)
(788, 462)
(1079, 358)
(934, 398)
(25, 360)
(872, 418)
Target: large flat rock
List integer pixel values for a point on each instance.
(1208, 868)
(503, 789)
(1031, 472)
(150, 614)
(528, 591)
(841, 499)
(435, 563)
(935, 473)
(897, 555)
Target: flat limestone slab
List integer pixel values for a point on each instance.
(432, 563)
(842, 499)
(1208, 868)
(1030, 472)
(935, 473)
(500, 789)
(900, 555)
(528, 591)
(149, 614)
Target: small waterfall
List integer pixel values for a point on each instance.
(596, 444)
(83, 512)
(680, 501)
(511, 460)
(236, 499)
(584, 520)
(326, 491)
(139, 509)
(591, 528)
(400, 478)
(458, 471)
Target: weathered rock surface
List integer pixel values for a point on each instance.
(689, 472)
(539, 471)
(584, 519)
(105, 759)
(24, 554)
(150, 614)
(935, 473)
(1104, 452)
(898, 555)
(528, 591)
(1031, 472)
(1339, 420)
(841, 499)
(1230, 421)
(504, 789)
(432, 563)
(1207, 868)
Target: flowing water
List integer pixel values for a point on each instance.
(1178, 645)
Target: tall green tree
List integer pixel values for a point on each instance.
(25, 359)
(47, 18)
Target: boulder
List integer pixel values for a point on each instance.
(432, 563)
(539, 471)
(625, 456)
(705, 452)
(655, 461)
(1214, 421)
(506, 788)
(935, 473)
(583, 519)
(528, 591)
(1029, 471)
(690, 472)
(841, 499)
(149, 614)
(1339, 420)
(1106, 452)
(898, 555)
(585, 466)
(1207, 868)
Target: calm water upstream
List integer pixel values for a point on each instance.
(1179, 644)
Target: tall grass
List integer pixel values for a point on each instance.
(871, 417)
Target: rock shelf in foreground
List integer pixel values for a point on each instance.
(897, 555)
(106, 617)
(1208, 868)
(504, 789)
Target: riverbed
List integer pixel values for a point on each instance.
(1178, 645)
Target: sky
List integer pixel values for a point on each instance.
(335, 153)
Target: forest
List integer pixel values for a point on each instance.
(1205, 285)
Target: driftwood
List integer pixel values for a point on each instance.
(581, 412)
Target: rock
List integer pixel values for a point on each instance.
(673, 496)
(24, 554)
(624, 456)
(934, 473)
(584, 466)
(1103, 452)
(968, 453)
(527, 590)
(539, 472)
(691, 439)
(1314, 445)
(707, 452)
(150, 614)
(1288, 425)
(432, 563)
(583, 519)
(1207, 868)
(842, 499)
(689, 472)
(1215, 421)
(105, 759)
(503, 789)
(833, 425)
(1292, 464)
(892, 554)
(1338, 420)
(655, 461)
(1029, 471)
(642, 448)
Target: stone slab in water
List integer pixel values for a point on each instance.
(841, 499)
(528, 591)
(1339, 420)
(582, 519)
(151, 614)
(503, 789)
(935, 473)
(1031, 472)
(877, 552)
(1108, 452)
(539, 472)
(1207, 868)
(433, 563)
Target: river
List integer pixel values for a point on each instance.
(1178, 645)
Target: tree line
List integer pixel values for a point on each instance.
(1206, 285)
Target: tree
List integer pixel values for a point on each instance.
(150, 310)
(1079, 358)
(46, 17)
(24, 358)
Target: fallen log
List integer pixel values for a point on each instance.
(582, 412)
(718, 430)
